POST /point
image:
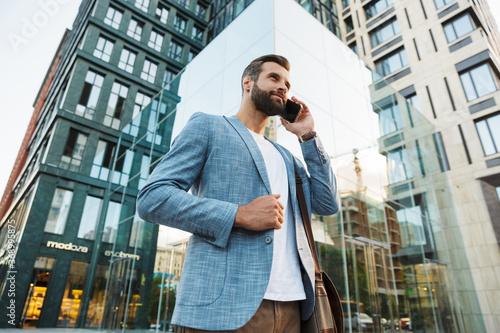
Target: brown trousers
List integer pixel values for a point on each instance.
(271, 317)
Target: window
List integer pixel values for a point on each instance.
(384, 32)
(175, 51)
(197, 34)
(115, 105)
(141, 101)
(121, 174)
(155, 123)
(162, 13)
(103, 160)
(155, 40)
(142, 5)
(458, 28)
(441, 3)
(498, 193)
(72, 156)
(111, 224)
(103, 49)
(191, 55)
(200, 11)
(127, 60)
(184, 3)
(392, 63)
(345, 3)
(354, 48)
(348, 24)
(489, 133)
(390, 119)
(478, 82)
(90, 217)
(180, 24)
(149, 71)
(90, 94)
(113, 17)
(376, 7)
(398, 165)
(144, 174)
(70, 305)
(167, 79)
(135, 29)
(59, 209)
(413, 101)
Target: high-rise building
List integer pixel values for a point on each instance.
(62, 211)
(406, 148)
(443, 57)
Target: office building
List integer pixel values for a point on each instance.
(443, 57)
(63, 208)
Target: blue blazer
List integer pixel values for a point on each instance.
(226, 270)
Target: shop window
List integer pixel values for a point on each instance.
(149, 71)
(392, 63)
(441, 3)
(73, 151)
(384, 32)
(457, 28)
(376, 7)
(478, 82)
(127, 60)
(135, 29)
(142, 5)
(95, 312)
(489, 133)
(399, 166)
(155, 40)
(113, 17)
(111, 224)
(162, 13)
(59, 209)
(90, 218)
(89, 96)
(116, 104)
(70, 306)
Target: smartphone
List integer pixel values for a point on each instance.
(292, 111)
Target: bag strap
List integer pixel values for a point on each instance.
(307, 222)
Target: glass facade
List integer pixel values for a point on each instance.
(394, 250)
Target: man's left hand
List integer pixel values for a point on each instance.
(304, 122)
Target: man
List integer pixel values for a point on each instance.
(248, 266)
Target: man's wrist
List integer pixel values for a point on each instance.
(307, 136)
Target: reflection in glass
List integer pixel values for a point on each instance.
(111, 224)
(59, 209)
(399, 165)
(90, 218)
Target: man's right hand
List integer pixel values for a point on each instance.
(263, 213)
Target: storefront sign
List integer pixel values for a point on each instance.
(68, 247)
(121, 254)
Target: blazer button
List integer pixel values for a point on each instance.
(268, 240)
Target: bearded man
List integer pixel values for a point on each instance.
(248, 266)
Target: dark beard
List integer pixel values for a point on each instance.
(264, 103)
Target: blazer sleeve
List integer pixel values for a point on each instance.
(165, 199)
(322, 181)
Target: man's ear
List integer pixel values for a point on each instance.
(247, 83)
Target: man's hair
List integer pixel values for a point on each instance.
(255, 68)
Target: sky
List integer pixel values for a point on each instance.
(30, 34)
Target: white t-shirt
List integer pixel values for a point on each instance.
(285, 282)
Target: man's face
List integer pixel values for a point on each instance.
(269, 92)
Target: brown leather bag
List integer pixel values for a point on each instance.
(328, 316)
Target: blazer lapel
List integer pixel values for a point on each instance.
(253, 148)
